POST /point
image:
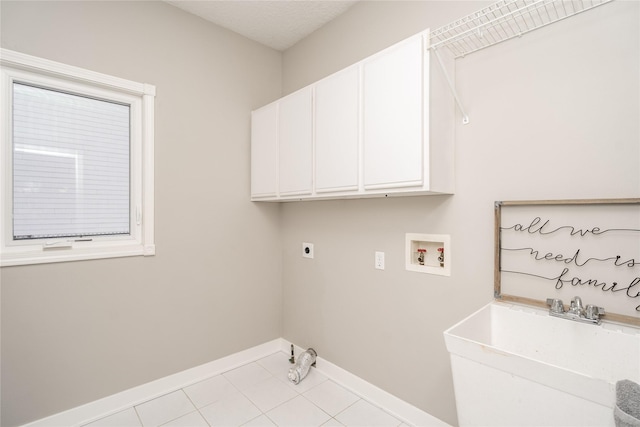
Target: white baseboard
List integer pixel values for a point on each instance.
(134, 396)
(392, 404)
(120, 401)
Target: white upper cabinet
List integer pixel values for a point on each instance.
(393, 117)
(295, 129)
(336, 132)
(264, 152)
(382, 127)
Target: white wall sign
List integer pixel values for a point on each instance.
(566, 248)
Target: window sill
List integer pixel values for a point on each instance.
(73, 254)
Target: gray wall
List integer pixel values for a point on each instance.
(554, 115)
(75, 332)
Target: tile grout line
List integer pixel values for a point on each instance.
(298, 394)
(194, 405)
(265, 413)
(220, 374)
(137, 415)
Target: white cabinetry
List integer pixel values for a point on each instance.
(336, 132)
(264, 152)
(295, 138)
(381, 127)
(393, 117)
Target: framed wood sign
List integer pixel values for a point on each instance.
(566, 248)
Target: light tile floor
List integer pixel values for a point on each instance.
(256, 394)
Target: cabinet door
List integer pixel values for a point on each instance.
(393, 116)
(295, 129)
(264, 152)
(336, 131)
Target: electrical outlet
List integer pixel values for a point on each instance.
(379, 260)
(307, 250)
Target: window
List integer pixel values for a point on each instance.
(77, 163)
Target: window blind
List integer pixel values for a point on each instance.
(71, 165)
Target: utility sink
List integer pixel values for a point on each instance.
(516, 365)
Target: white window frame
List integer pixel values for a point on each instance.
(19, 67)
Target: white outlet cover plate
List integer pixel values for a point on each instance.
(307, 250)
(379, 260)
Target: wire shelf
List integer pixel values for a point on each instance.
(505, 20)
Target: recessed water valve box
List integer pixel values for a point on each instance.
(428, 253)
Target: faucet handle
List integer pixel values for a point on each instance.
(556, 305)
(593, 312)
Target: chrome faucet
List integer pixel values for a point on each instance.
(576, 311)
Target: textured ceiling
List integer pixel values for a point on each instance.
(277, 24)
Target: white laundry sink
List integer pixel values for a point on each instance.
(515, 365)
